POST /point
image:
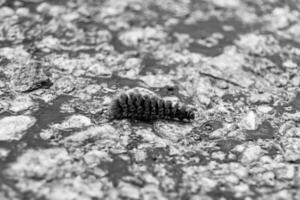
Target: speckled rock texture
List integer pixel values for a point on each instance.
(237, 62)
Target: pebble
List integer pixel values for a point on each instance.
(21, 103)
(287, 172)
(99, 70)
(172, 131)
(251, 153)
(95, 157)
(291, 147)
(14, 127)
(289, 64)
(134, 36)
(3, 153)
(129, 191)
(296, 81)
(75, 121)
(47, 134)
(264, 98)
(93, 133)
(293, 132)
(264, 109)
(6, 12)
(249, 121)
(64, 85)
(29, 77)
(292, 116)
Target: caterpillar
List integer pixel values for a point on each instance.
(145, 106)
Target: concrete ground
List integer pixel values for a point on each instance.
(235, 61)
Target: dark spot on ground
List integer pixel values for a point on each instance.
(227, 145)
(204, 29)
(118, 45)
(296, 102)
(263, 131)
(167, 91)
(211, 126)
(116, 169)
(3, 62)
(135, 140)
(200, 133)
(203, 159)
(272, 151)
(114, 81)
(222, 192)
(279, 109)
(234, 98)
(152, 65)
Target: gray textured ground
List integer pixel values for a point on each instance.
(237, 62)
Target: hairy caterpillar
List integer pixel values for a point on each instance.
(134, 104)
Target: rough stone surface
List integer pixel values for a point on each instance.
(14, 127)
(235, 61)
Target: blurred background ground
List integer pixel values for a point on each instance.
(236, 61)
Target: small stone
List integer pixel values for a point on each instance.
(150, 179)
(241, 188)
(92, 89)
(99, 69)
(293, 132)
(21, 103)
(132, 68)
(140, 155)
(93, 133)
(2, 84)
(264, 98)
(4, 105)
(29, 77)
(136, 35)
(14, 127)
(172, 131)
(6, 11)
(222, 84)
(239, 170)
(291, 147)
(150, 192)
(282, 194)
(268, 178)
(251, 154)
(296, 81)
(203, 99)
(292, 116)
(95, 157)
(23, 12)
(3, 153)
(75, 121)
(47, 134)
(258, 44)
(226, 3)
(264, 109)
(218, 155)
(64, 85)
(129, 191)
(132, 63)
(289, 64)
(249, 121)
(265, 159)
(287, 172)
(158, 81)
(233, 179)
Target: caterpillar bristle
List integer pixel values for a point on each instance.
(147, 107)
